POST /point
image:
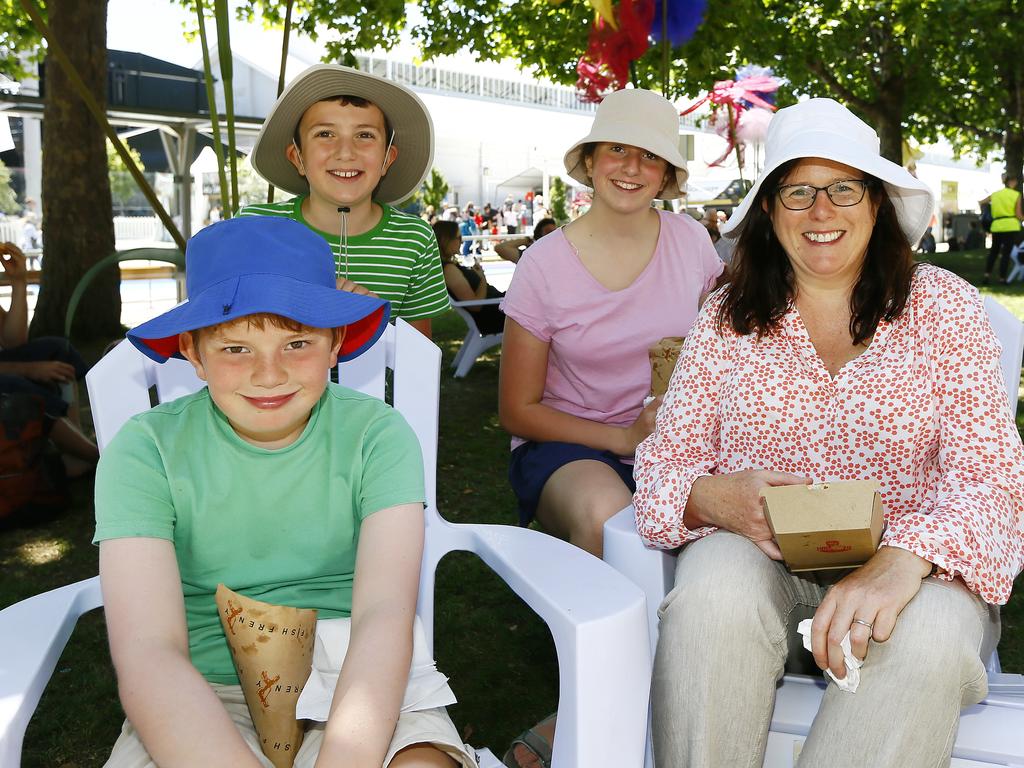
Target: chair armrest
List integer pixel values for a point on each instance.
(476, 302)
(653, 570)
(35, 632)
(597, 620)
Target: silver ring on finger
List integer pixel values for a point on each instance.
(867, 624)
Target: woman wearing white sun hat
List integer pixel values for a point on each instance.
(585, 304)
(831, 356)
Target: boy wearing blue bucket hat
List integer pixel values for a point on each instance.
(264, 481)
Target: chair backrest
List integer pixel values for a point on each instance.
(126, 382)
(1010, 332)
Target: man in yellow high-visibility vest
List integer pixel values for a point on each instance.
(1006, 226)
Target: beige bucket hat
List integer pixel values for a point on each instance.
(825, 128)
(641, 119)
(406, 114)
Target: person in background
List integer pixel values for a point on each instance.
(465, 283)
(975, 237)
(511, 250)
(927, 242)
(49, 367)
(829, 356)
(1007, 213)
(468, 228)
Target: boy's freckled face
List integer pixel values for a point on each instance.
(342, 152)
(265, 381)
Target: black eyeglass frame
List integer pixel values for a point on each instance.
(865, 184)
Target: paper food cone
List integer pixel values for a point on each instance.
(272, 647)
(663, 356)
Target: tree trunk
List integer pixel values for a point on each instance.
(77, 210)
(1013, 152)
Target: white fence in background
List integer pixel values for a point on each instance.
(125, 228)
(138, 228)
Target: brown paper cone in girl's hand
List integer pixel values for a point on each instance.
(663, 356)
(272, 647)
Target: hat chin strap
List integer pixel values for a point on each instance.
(384, 164)
(344, 210)
(298, 156)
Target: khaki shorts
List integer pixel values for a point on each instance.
(428, 726)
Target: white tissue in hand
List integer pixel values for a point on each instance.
(853, 664)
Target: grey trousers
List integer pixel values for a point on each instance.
(728, 628)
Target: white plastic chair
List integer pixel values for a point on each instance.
(1017, 260)
(475, 343)
(990, 733)
(596, 616)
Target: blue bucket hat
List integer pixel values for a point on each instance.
(254, 264)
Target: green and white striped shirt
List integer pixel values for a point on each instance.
(398, 259)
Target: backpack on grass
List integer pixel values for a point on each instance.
(31, 481)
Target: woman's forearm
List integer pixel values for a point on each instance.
(536, 421)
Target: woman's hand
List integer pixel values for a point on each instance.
(874, 593)
(733, 502)
(635, 433)
(13, 262)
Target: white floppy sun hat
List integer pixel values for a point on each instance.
(641, 119)
(825, 128)
(405, 112)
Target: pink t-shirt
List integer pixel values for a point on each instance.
(597, 362)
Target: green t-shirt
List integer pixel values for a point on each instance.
(398, 259)
(275, 525)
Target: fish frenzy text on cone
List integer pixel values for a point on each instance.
(272, 647)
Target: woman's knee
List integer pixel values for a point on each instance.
(941, 637)
(580, 498)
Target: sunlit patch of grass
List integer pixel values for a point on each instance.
(42, 551)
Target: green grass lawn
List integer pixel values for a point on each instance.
(498, 654)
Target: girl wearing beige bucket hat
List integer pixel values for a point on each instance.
(349, 145)
(831, 356)
(585, 304)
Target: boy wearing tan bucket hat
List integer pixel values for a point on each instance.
(349, 146)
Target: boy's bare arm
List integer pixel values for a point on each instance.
(376, 669)
(179, 718)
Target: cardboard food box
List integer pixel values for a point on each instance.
(826, 525)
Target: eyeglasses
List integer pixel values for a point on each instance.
(844, 193)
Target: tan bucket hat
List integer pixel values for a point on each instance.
(825, 128)
(406, 113)
(641, 119)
